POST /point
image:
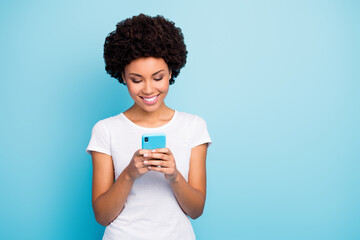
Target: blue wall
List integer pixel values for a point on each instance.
(276, 81)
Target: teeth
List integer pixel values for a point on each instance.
(149, 99)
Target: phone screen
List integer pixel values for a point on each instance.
(153, 141)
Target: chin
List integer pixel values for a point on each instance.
(146, 108)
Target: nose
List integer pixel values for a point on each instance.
(148, 87)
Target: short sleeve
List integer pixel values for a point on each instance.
(100, 139)
(200, 133)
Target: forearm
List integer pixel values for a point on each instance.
(191, 200)
(110, 204)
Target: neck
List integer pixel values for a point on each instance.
(136, 113)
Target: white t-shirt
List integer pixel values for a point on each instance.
(151, 210)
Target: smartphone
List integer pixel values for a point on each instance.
(153, 141)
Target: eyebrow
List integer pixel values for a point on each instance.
(151, 74)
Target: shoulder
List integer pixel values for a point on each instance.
(189, 117)
(191, 122)
(109, 122)
(196, 129)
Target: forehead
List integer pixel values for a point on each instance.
(146, 65)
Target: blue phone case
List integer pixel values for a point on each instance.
(153, 141)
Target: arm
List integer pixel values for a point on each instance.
(190, 195)
(109, 197)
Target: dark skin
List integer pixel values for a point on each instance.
(109, 195)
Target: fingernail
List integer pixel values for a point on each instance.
(146, 155)
(149, 167)
(145, 162)
(153, 150)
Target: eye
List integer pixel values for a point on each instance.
(135, 81)
(158, 78)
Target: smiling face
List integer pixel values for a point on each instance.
(147, 80)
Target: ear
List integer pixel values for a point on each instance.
(170, 73)
(123, 77)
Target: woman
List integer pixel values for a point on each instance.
(139, 193)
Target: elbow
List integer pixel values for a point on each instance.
(101, 218)
(197, 213)
(100, 215)
(102, 221)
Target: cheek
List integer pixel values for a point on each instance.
(132, 90)
(163, 87)
(164, 90)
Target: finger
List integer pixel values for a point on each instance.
(157, 169)
(161, 156)
(158, 163)
(141, 152)
(145, 166)
(140, 165)
(162, 150)
(166, 171)
(143, 170)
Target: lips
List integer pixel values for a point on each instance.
(150, 100)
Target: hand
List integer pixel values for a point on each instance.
(162, 160)
(136, 167)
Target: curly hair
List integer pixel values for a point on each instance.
(144, 36)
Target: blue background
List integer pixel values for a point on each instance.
(276, 81)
